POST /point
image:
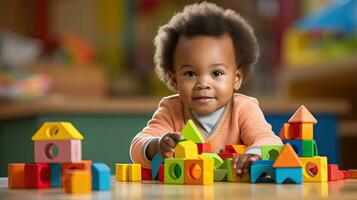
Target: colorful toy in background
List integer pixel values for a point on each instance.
(58, 163)
(327, 35)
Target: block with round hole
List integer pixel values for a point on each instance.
(297, 145)
(199, 171)
(58, 151)
(37, 175)
(315, 168)
(271, 152)
(174, 171)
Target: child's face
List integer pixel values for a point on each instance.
(205, 72)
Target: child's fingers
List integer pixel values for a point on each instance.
(175, 136)
(249, 161)
(169, 142)
(240, 165)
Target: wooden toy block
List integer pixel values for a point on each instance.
(240, 148)
(56, 175)
(271, 152)
(259, 171)
(37, 175)
(284, 132)
(58, 151)
(232, 175)
(287, 158)
(155, 165)
(191, 132)
(224, 164)
(83, 165)
(315, 169)
(297, 145)
(289, 175)
(199, 171)
(146, 174)
(302, 115)
(57, 131)
(77, 181)
(174, 171)
(16, 175)
(204, 147)
(100, 176)
(309, 148)
(334, 173)
(135, 172)
(161, 173)
(302, 131)
(227, 155)
(345, 174)
(122, 172)
(352, 173)
(186, 149)
(218, 161)
(220, 175)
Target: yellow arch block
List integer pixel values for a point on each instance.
(186, 149)
(57, 131)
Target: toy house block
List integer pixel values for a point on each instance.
(220, 175)
(134, 172)
(297, 145)
(352, 173)
(289, 175)
(302, 131)
(287, 158)
(100, 176)
(218, 161)
(122, 172)
(146, 174)
(83, 165)
(271, 152)
(334, 173)
(284, 132)
(227, 155)
(77, 181)
(315, 169)
(186, 149)
(37, 175)
(262, 171)
(16, 175)
(191, 132)
(161, 173)
(155, 165)
(309, 148)
(174, 171)
(199, 171)
(206, 147)
(302, 115)
(232, 175)
(58, 151)
(56, 175)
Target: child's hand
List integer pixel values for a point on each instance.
(167, 144)
(242, 163)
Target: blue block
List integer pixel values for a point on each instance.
(100, 176)
(156, 161)
(260, 167)
(56, 175)
(297, 146)
(288, 175)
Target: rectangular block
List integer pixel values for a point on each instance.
(37, 175)
(155, 165)
(334, 173)
(16, 175)
(352, 173)
(220, 175)
(206, 147)
(309, 148)
(288, 175)
(134, 172)
(58, 151)
(56, 175)
(122, 172)
(77, 181)
(83, 165)
(302, 131)
(146, 174)
(315, 169)
(100, 176)
(161, 173)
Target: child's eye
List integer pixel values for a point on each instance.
(190, 74)
(217, 73)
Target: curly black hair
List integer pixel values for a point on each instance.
(205, 19)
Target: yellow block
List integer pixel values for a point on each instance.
(309, 163)
(186, 149)
(239, 148)
(121, 172)
(302, 131)
(135, 172)
(57, 131)
(78, 181)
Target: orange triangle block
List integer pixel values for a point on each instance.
(287, 158)
(302, 115)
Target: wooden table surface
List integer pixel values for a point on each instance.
(344, 189)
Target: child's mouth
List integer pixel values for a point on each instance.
(203, 99)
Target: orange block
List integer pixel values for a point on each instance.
(303, 115)
(352, 173)
(284, 132)
(84, 165)
(78, 181)
(287, 158)
(302, 131)
(16, 175)
(199, 171)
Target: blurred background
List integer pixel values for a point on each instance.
(103, 49)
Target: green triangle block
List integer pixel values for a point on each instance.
(191, 132)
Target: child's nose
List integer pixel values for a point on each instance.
(203, 83)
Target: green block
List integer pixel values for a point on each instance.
(191, 132)
(309, 148)
(220, 175)
(271, 152)
(224, 164)
(218, 161)
(174, 171)
(231, 174)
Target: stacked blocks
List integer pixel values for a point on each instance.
(58, 163)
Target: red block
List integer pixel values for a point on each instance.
(204, 147)
(334, 173)
(352, 173)
(345, 174)
(37, 175)
(227, 155)
(161, 173)
(229, 149)
(146, 174)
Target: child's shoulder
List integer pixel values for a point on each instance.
(171, 101)
(241, 100)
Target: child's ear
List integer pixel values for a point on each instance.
(173, 80)
(238, 79)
